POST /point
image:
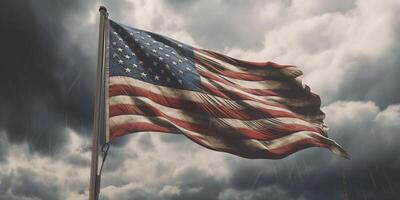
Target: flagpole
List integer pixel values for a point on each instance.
(94, 178)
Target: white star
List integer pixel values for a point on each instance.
(173, 62)
(167, 55)
(114, 43)
(126, 46)
(142, 38)
(154, 51)
(160, 58)
(141, 46)
(173, 52)
(143, 74)
(133, 54)
(120, 61)
(154, 41)
(149, 36)
(180, 81)
(166, 46)
(127, 70)
(114, 55)
(180, 71)
(147, 43)
(120, 39)
(127, 57)
(187, 68)
(157, 77)
(140, 62)
(160, 48)
(130, 33)
(136, 39)
(180, 60)
(179, 45)
(119, 49)
(115, 33)
(167, 66)
(138, 32)
(185, 58)
(135, 66)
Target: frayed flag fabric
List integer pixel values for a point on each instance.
(249, 109)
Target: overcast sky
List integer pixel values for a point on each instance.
(349, 52)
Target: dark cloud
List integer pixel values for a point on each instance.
(145, 142)
(374, 79)
(47, 84)
(3, 146)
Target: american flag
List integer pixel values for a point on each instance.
(250, 109)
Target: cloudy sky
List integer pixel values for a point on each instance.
(348, 50)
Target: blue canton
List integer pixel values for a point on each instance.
(151, 58)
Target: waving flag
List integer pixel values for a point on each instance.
(250, 109)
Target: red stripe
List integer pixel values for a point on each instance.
(298, 94)
(233, 61)
(288, 149)
(277, 153)
(310, 102)
(205, 128)
(134, 127)
(234, 74)
(259, 92)
(124, 129)
(247, 113)
(234, 95)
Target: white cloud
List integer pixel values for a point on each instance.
(34, 176)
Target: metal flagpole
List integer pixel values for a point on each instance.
(94, 178)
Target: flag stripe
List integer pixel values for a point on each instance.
(186, 94)
(250, 85)
(276, 148)
(277, 124)
(220, 131)
(266, 70)
(214, 106)
(222, 90)
(245, 113)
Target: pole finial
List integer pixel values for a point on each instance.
(103, 9)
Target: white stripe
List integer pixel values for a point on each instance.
(267, 84)
(258, 124)
(271, 99)
(127, 119)
(267, 99)
(214, 141)
(291, 71)
(291, 139)
(198, 97)
(298, 136)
